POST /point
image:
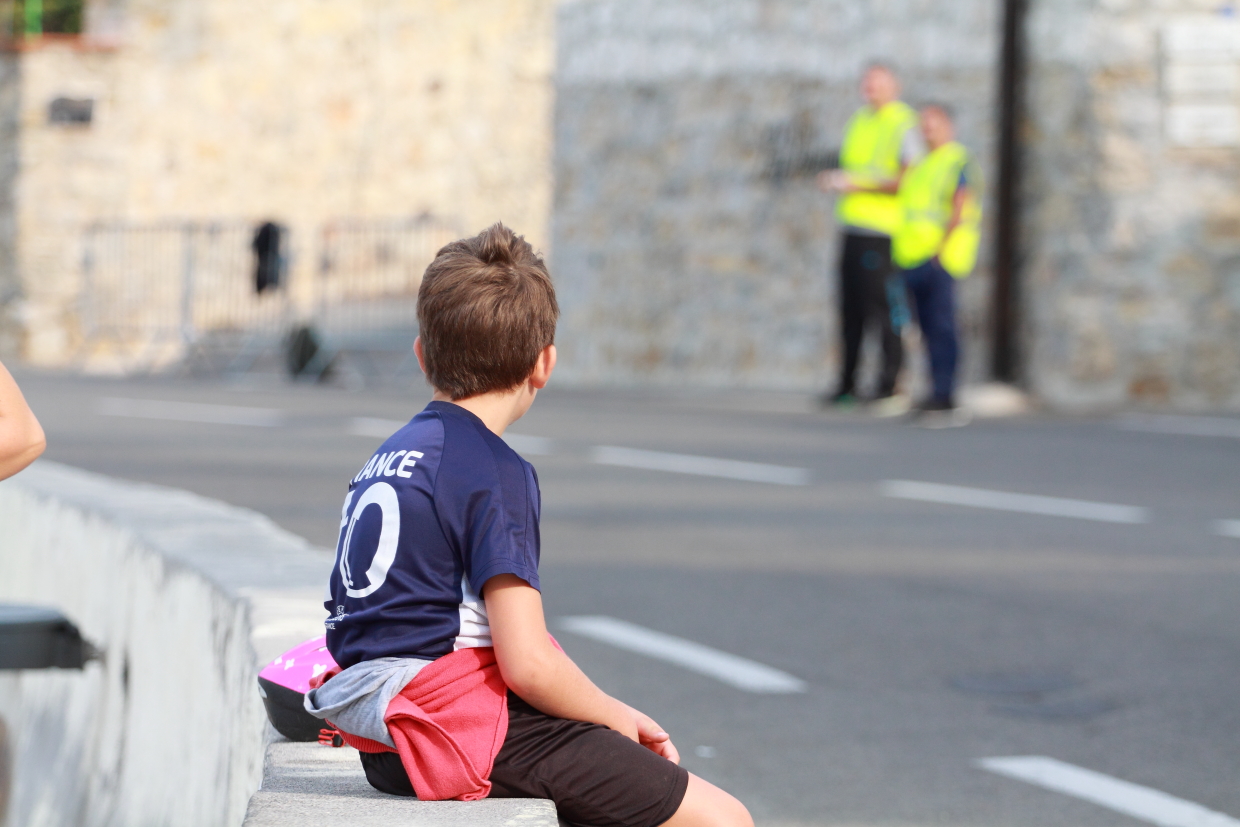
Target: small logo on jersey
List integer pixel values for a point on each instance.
(331, 622)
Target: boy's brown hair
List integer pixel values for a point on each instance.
(486, 309)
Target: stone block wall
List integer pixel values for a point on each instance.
(690, 243)
(1132, 204)
(301, 111)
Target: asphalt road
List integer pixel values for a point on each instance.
(929, 635)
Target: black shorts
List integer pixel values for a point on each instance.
(596, 776)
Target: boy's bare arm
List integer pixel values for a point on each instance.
(545, 677)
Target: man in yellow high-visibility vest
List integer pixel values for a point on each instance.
(880, 142)
(937, 243)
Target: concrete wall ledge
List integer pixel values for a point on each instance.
(311, 784)
(188, 597)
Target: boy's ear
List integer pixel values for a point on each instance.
(417, 351)
(541, 374)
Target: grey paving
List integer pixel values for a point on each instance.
(307, 784)
(895, 612)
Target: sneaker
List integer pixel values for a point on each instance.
(839, 399)
(941, 413)
(934, 404)
(897, 404)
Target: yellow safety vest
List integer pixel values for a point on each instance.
(871, 155)
(926, 194)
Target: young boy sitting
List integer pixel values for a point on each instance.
(450, 685)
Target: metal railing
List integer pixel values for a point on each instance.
(367, 289)
(370, 270)
(155, 294)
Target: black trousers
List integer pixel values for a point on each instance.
(865, 266)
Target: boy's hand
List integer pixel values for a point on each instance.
(546, 678)
(651, 736)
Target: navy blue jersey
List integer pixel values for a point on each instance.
(443, 506)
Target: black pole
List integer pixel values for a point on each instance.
(1005, 299)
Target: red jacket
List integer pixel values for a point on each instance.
(448, 723)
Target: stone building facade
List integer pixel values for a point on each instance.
(691, 245)
(300, 111)
(1132, 204)
(689, 242)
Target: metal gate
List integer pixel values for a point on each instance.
(367, 289)
(159, 294)
(155, 294)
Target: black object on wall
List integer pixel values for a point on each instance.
(36, 637)
(71, 111)
(269, 256)
(1005, 299)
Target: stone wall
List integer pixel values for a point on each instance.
(1132, 222)
(690, 243)
(298, 110)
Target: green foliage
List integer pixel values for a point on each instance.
(35, 17)
(62, 16)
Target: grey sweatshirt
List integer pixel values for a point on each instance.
(357, 698)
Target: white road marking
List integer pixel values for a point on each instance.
(1142, 803)
(1227, 528)
(190, 412)
(373, 427)
(1004, 501)
(1181, 425)
(702, 466)
(370, 426)
(733, 670)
